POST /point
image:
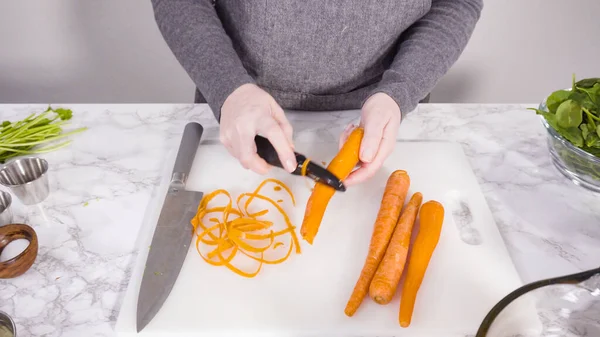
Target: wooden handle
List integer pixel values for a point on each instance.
(19, 264)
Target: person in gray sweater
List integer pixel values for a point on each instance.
(250, 59)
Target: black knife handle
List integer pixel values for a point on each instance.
(192, 133)
(266, 151)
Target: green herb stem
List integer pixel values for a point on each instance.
(27, 135)
(25, 127)
(38, 131)
(40, 150)
(590, 114)
(43, 140)
(52, 148)
(8, 149)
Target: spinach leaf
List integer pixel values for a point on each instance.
(583, 99)
(587, 83)
(593, 93)
(569, 114)
(592, 140)
(540, 112)
(575, 114)
(591, 125)
(584, 130)
(574, 135)
(591, 118)
(556, 98)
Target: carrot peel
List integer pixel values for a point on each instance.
(238, 230)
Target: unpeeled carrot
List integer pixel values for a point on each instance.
(391, 204)
(341, 166)
(386, 279)
(431, 218)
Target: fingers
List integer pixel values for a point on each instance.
(367, 170)
(247, 156)
(272, 131)
(285, 125)
(242, 147)
(345, 134)
(247, 112)
(373, 134)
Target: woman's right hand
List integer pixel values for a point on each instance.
(249, 111)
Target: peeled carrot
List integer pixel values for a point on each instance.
(341, 166)
(391, 204)
(386, 279)
(431, 218)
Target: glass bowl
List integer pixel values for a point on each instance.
(564, 306)
(581, 167)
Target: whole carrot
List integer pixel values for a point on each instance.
(386, 279)
(391, 204)
(341, 166)
(431, 219)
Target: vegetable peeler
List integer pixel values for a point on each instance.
(266, 151)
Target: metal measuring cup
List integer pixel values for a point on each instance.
(8, 324)
(27, 178)
(6, 216)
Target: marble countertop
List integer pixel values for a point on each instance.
(102, 183)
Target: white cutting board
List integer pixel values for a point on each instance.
(469, 272)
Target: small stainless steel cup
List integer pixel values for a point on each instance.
(27, 178)
(6, 216)
(7, 323)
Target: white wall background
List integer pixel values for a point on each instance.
(78, 51)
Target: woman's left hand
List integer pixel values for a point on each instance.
(380, 118)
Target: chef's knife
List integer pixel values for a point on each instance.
(266, 151)
(173, 233)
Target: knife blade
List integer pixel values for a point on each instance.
(173, 233)
(266, 151)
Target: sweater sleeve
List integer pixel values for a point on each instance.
(195, 35)
(428, 49)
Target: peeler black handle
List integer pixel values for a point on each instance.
(266, 151)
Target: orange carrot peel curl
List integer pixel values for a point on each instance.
(240, 231)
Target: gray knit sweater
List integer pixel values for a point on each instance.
(317, 54)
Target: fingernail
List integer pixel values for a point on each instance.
(367, 155)
(289, 164)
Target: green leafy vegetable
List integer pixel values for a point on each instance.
(592, 140)
(575, 114)
(569, 114)
(585, 131)
(587, 83)
(556, 99)
(27, 136)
